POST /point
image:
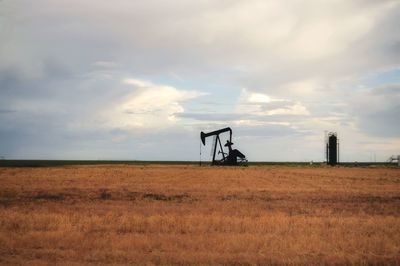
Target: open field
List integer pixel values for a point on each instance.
(185, 214)
(48, 163)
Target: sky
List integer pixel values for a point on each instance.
(139, 80)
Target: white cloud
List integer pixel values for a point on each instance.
(262, 104)
(295, 109)
(149, 105)
(257, 98)
(106, 64)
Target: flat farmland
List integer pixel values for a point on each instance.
(172, 214)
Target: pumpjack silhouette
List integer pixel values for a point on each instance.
(233, 158)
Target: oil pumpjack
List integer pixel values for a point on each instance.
(232, 158)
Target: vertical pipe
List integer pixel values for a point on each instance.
(327, 152)
(200, 152)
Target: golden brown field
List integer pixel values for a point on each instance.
(191, 215)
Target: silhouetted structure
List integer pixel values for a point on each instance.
(332, 149)
(394, 159)
(233, 157)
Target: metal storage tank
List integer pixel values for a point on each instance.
(332, 149)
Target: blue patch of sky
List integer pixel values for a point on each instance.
(370, 81)
(377, 79)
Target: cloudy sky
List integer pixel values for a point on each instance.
(140, 79)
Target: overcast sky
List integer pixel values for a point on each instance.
(139, 80)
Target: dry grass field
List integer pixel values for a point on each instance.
(119, 214)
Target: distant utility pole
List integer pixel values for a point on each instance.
(326, 145)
